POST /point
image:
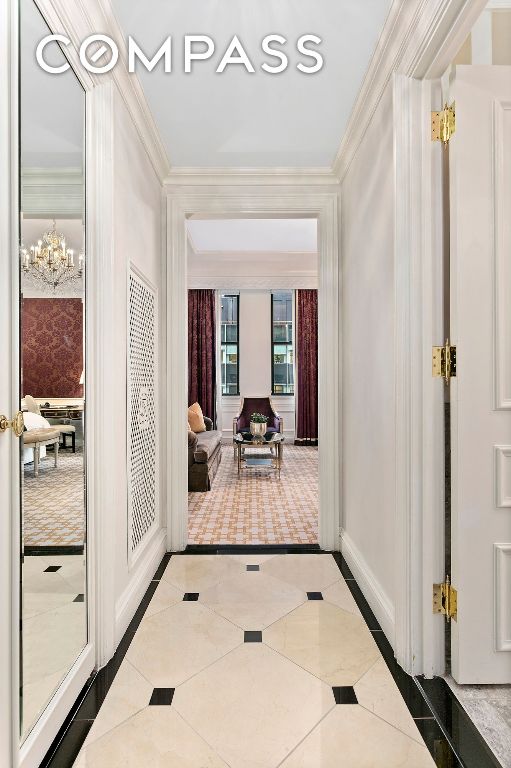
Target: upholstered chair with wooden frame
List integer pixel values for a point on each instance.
(250, 405)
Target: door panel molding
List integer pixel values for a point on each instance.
(502, 597)
(502, 473)
(502, 252)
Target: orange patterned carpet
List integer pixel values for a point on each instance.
(258, 508)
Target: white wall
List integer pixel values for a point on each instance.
(255, 362)
(137, 238)
(368, 317)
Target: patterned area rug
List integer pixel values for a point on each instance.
(54, 502)
(258, 508)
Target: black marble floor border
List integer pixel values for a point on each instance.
(47, 550)
(67, 744)
(448, 732)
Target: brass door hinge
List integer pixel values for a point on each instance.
(444, 361)
(443, 124)
(445, 600)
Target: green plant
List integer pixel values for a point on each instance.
(259, 418)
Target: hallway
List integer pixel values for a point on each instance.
(227, 648)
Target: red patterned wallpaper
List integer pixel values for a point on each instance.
(52, 347)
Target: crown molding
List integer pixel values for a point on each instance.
(249, 176)
(255, 283)
(81, 18)
(419, 39)
(53, 192)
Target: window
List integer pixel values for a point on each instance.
(229, 345)
(282, 343)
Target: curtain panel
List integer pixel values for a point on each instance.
(202, 351)
(307, 367)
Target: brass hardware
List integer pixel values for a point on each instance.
(443, 124)
(17, 424)
(444, 361)
(445, 600)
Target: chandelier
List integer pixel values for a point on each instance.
(50, 261)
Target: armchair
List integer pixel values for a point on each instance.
(250, 405)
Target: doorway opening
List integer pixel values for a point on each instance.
(252, 317)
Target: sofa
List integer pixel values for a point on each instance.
(204, 457)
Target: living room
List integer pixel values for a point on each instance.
(252, 381)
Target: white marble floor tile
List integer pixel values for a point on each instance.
(310, 573)
(179, 641)
(377, 692)
(156, 737)
(193, 573)
(130, 693)
(351, 736)
(250, 559)
(330, 643)
(253, 706)
(252, 599)
(164, 596)
(340, 595)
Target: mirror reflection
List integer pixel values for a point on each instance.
(52, 376)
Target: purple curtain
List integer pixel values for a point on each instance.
(201, 351)
(307, 367)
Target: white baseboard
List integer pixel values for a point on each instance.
(378, 600)
(141, 576)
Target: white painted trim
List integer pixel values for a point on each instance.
(101, 443)
(227, 201)
(204, 176)
(259, 282)
(378, 600)
(127, 604)
(40, 739)
(50, 191)
(9, 394)
(502, 591)
(502, 394)
(502, 455)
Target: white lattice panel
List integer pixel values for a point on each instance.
(142, 416)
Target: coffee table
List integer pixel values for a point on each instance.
(269, 457)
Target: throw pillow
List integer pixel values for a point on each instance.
(35, 421)
(196, 419)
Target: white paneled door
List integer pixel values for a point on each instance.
(480, 190)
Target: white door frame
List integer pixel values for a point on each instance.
(419, 635)
(224, 200)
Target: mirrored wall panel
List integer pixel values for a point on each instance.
(52, 372)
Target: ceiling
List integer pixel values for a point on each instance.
(52, 107)
(253, 235)
(238, 119)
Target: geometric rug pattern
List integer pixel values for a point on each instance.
(258, 507)
(53, 502)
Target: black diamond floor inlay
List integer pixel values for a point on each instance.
(191, 596)
(162, 697)
(252, 567)
(344, 694)
(52, 568)
(253, 637)
(79, 599)
(314, 596)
